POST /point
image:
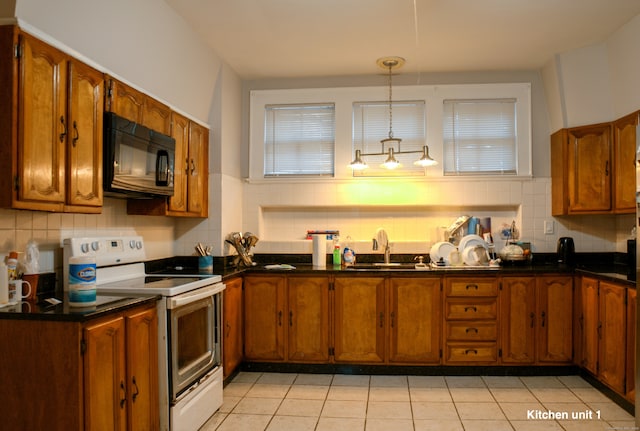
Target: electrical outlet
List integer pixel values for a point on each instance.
(548, 227)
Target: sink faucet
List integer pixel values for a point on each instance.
(382, 239)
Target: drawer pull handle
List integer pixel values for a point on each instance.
(472, 308)
(471, 329)
(472, 286)
(474, 351)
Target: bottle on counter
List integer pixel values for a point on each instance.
(4, 284)
(348, 254)
(12, 265)
(337, 258)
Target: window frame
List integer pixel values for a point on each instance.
(433, 95)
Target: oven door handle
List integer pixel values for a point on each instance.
(196, 295)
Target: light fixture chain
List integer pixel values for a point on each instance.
(390, 103)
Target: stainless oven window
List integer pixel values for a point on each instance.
(193, 342)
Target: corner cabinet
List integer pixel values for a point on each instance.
(100, 374)
(593, 168)
(51, 146)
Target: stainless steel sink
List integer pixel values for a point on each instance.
(381, 265)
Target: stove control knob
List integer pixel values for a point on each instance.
(139, 244)
(132, 244)
(95, 246)
(84, 247)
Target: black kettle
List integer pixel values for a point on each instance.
(566, 251)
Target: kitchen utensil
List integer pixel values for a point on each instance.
(566, 251)
(471, 240)
(476, 255)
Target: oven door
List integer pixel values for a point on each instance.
(193, 324)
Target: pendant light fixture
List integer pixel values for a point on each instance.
(390, 142)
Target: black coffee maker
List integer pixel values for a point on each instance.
(566, 251)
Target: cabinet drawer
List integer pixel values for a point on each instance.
(465, 309)
(471, 331)
(471, 352)
(471, 287)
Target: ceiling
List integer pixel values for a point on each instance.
(263, 39)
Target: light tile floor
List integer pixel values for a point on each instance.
(326, 402)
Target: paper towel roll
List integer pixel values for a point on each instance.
(320, 251)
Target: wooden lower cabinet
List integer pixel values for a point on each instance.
(308, 319)
(359, 319)
(518, 320)
(98, 375)
(554, 301)
(630, 390)
(232, 340)
(603, 332)
(264, 320)
(612, 328)
(415, 320)
(470, 313)
(286, 318)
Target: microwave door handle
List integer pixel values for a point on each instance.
(162, 168)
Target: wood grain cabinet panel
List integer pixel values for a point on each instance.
(624, 157)
(630, 390)
(308, 319)
(612, 328)
(51, 146)
(359, 319)
(518, 319)
(415, 320)
(264, 318)
(232, 328)
(554, 299)
(588, 322)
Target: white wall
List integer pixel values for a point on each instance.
(624, 61)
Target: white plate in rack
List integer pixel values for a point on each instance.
(442, 250)
(470, 241)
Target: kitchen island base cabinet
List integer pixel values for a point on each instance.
(97, 375)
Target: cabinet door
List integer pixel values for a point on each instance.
(84, 143)
(624, 138)
(232, 327)
(43, 123)
(415, 320)
(359, 319)
(156, 116)
(589, 168)
(555, 314)
(612, 328)
(125, 101)
(198, 199)
(264, 320)
(180, 132)
(631, 344)
(588, 321)
(308, 319)
(518, 319)
(105, 386)
(142, 369)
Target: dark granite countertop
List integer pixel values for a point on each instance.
(63, 312)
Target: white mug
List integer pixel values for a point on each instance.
(15, 290)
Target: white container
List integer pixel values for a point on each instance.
(4, 284)
(320, 250)
(82, 281)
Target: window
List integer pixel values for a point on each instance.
(479, 137)
(371, 125)
(299, 139)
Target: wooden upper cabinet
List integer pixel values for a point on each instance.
(84, 171)
(593, 168)
(589, 168)
(178, 202)
(136, 106)
(43, 123)
(51, 137)
(624, 154)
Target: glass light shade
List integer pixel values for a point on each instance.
(426, 159)
(391, 162)
(358, 164)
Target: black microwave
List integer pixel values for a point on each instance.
(137, 162)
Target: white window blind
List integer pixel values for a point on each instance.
(299, 139)
(480, 137)
(371, 125)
